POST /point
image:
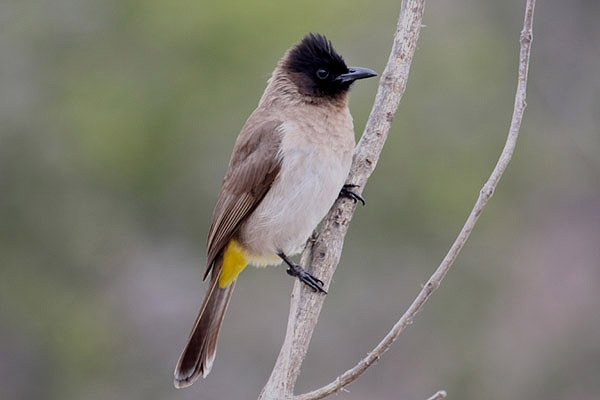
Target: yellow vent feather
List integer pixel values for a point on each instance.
(234, 262)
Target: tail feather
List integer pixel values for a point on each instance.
(199, 353)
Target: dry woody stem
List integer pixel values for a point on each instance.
(439, 395)
(324, 250)
(323, 253)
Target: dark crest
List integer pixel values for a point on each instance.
(315, 65)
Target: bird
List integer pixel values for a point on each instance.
(289, 164)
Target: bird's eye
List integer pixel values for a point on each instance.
(322, 73)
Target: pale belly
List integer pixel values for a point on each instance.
(307, 186)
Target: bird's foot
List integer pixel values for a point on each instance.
(305, 277)
(347, 192)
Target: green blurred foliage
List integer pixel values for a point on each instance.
(116, 124)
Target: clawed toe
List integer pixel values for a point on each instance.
(314, 283)
(347, 192)
(305, 277)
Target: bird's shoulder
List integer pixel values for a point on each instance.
(255, 155)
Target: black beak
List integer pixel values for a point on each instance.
(355, 73)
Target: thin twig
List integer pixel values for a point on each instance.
(439, 395)
(485, 194)
(323, 252)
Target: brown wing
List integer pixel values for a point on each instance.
(253, 167)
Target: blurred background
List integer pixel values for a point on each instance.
(117, 120)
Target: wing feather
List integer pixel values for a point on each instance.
(254, 165)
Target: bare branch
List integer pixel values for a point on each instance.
(439, 395)
(323, 253)
(485, 194)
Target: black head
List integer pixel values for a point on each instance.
(318, 70)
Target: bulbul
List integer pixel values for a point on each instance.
(289, 164)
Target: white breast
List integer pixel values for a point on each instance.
(314, 169)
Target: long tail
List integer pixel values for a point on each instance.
(199, 352)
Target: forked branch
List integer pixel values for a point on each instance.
(323, 252)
